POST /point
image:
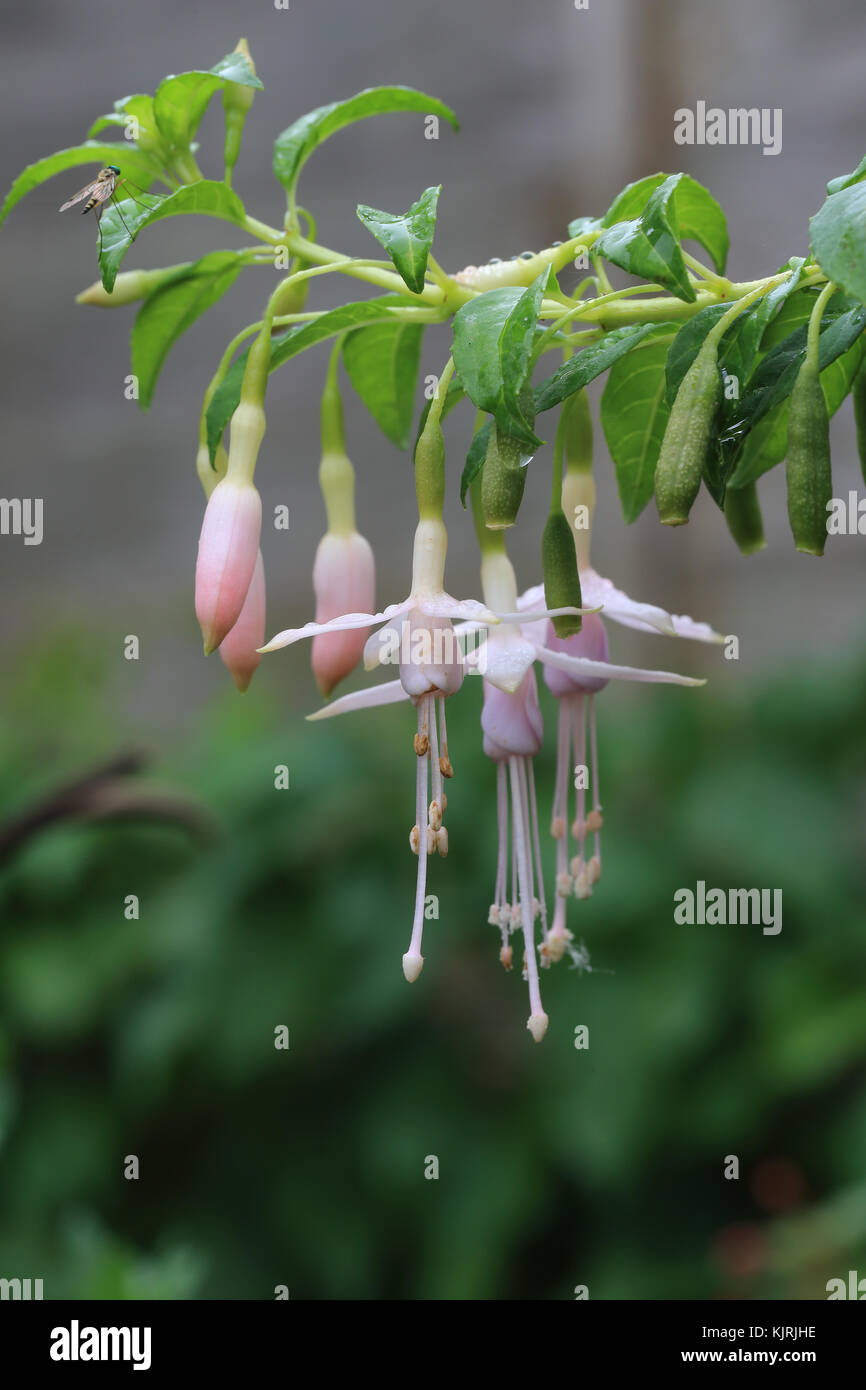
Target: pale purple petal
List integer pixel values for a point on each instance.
(342, 624)
(391, 693)
(503, 660)
(444, 606)
(644, 617)
(606, 670)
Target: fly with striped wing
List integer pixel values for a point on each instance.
(102, 190)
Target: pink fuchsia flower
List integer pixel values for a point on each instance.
(513, 732)
(239, 649)
(227, 550)
(344, 581)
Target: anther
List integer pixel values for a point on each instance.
(422, 745)
(564, 885)
(505, 955)
(415, 839)
(594, 822)
(435, 815)
(557, 827)
(442, 841)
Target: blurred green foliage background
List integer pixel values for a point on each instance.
(558, 1167)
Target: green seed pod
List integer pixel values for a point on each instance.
(559, 571)
(807, 463)
(743, 515)
(430, 471)
(129, 287)
(859, 394)
(502, 480)
(687, 437)
(577, 433)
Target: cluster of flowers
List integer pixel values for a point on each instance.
(435, 640)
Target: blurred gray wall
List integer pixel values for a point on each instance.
(559, 108)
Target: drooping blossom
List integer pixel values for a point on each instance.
(344, 581)
(239, 649)
(227, 550)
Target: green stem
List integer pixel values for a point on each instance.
(814, 330)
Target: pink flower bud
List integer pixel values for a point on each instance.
(227, 550)
(239, 648)
(590, 643)
(344, 580)
(512, 724)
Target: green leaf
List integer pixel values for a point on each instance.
(846, 180)
(687, 344)
(382, 364)
(172, 308)
(493, 341)
(583, 224)
(475, 458)
(838, 242)
(649, 246)
(775, 375)
(699, 216)
(589, 363)
(287, 345)
(140, 168)
(743, 340)
(634, 412)
(293, 148)
(207, 197)
(407, 237)
(572, 376)
(766, 444)
(180, 101)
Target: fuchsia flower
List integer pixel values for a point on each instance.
(239, 649)
(344, 580)
(227, 550)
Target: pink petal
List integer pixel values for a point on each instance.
(343, 624)
(391, 693)
(444, 606)
(645, 617)
(605, 670)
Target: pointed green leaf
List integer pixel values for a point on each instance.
(140, 168)
(407, 237)
(649, 246)
(382, 364)
(294, 147)
(493, 340)
(589, 363)
(846, 180)
(838, 242)
(180, 101)
(172, 308)
(699, 216)
(287, 345)
(634, 412)
(207, 197)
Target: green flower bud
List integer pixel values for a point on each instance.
(743, 515)
(130, 286)
(807, 463)
(577, 433)
(559, 571)
(237, 100)
(503, 479)
(687, 436)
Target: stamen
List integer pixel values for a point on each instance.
(442, 841)
(435, 809)
(502, 912)
(579, 720)
(413, 960)
(536, 840)
(595, 814)
(444, 761)
(537, 1023)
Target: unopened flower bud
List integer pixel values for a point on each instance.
(129, 287)
(239, 648)
(227, 550)
(344, 580)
